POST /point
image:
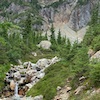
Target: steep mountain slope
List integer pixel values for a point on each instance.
(77, 74)
(67, 15)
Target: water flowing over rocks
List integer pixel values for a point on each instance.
(26, 75)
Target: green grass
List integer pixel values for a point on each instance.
(40, 54)
(56, 75)
(3, 70)
(94, 97)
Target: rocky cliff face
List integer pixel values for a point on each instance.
(69, 12)
(67, 15)
(47, 2)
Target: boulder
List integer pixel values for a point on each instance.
(26, 64)
(38, 97)
(29, 85)
(26, 88)
(41, 75)
(90, 52)
(79, 90)
(68, 89)
(12, 85)
(21, 92)
(34, 66)
(31, 72)
(38, 69)
(19, 62)
(7, 93)
(21, 81)
(44, 44)
(20, 66)
(43, 62)
(82, 78)
(34, 54)
(58, 88)
(17, 75)
(54, 60)
(28, 79)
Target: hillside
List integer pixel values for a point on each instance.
(49, 50)
(68, 16)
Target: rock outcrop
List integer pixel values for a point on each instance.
(71, 13)
(67, 15)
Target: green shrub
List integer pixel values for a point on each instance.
(3, 70)
(56, 75)
(82, 2)
(95, 74)
(3, 52)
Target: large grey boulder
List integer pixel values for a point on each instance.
(17, 75)
(44, 44)
(42, 63)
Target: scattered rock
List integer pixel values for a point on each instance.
(29, 85)
(21, 81)
(38, 69)
(79, 90)
(12, 85)
(38, 97)
(90, 52)
(26, 88)
(62, 94)
(21, 92)
(28, 80)
(58, 88)
(17, 75)
(41, 75)
(68, 89)
(31, 72)
(7, 93)
(43, 62)
(82, 78)
(19, 62)
(34, 54)
(54, 60)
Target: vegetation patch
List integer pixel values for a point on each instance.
(56, 75)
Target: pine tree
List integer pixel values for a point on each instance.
(94, 18)
(3, 52)
(52, 34)
(80, 61)
(27, 30)
(59, 39)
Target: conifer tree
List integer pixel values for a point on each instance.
(27, 30)
(3, 52)
(59, 39)
(52, 34)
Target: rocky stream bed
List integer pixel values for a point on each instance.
(25, 75)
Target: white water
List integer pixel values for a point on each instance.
(16, 96)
